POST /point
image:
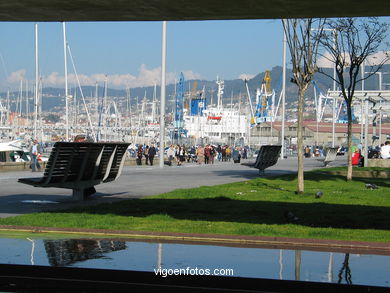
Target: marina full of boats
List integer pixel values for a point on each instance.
(194, 119)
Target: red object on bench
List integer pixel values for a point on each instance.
(355, 158)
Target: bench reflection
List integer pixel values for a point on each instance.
(66, 252)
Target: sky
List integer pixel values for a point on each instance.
(129, 53)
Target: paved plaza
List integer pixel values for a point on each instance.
(135, 181)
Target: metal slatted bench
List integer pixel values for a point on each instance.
(80, 166)
(331, 154)
(268, 156)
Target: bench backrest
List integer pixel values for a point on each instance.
(268, 156)
(331, 154)
(82, 161)
(117, 162)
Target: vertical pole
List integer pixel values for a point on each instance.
(159, 256)
(333, 121)
(27, 108)
(297, 265)
(380, 110)
(361, 122)
(283, 94)
(162, 104)
(280, 264)
(334, 99)
(380, 122)
(330, 268)
(21, 98)
(366, 135)
(8, 107)
(36, 82)
(105, 109)
(66, 84)
(334, 68)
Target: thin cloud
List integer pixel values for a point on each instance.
(246, 76)
(325, 61)
(145, 77)
(380, 57)
(17, 76)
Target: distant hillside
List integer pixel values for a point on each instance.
(53, 97)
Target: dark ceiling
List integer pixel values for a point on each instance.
(137, 10)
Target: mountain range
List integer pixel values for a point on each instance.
(53, 97)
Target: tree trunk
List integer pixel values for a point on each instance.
(301, 100)
(349, 133)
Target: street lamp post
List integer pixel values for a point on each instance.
(162, 104)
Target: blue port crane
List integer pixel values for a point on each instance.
(179, 130)
(179, 103)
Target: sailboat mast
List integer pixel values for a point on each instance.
(36, 82)
(8, 106)
(154, 103)
(129, 103)
(97, 103)
(66, 84)
(21, 98)
(27, 112)
(105, 111)
(40, 91)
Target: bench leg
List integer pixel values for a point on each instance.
(77, 194)
(89, 191)
(82, 194)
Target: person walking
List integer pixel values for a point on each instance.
(307, 152)
(139, 155)
(244, 153)
(385, 150)
(152, 153)
(170, 154)
(223, 151)
(35, 151)
(182, 154)
(228, 153)
(207, 154)
(177, 152)
(236, 155)
(212, 154)
(219, 151)
(146, 154)
(200, 154)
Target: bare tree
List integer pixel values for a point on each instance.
(350, 42)
(303, 48)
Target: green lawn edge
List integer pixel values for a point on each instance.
(258, 207)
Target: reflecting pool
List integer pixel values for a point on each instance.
(237, 261)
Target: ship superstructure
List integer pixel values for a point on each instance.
(217, 124)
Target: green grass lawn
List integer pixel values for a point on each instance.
(346, 211)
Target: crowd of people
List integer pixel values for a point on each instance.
(314, 151)
(378, 152)
(179, 154)
(208, 154)
(149, 152)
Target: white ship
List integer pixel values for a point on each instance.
(216, 124)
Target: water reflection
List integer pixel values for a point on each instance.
(283, 264)
(346, 271)
(66, 252)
